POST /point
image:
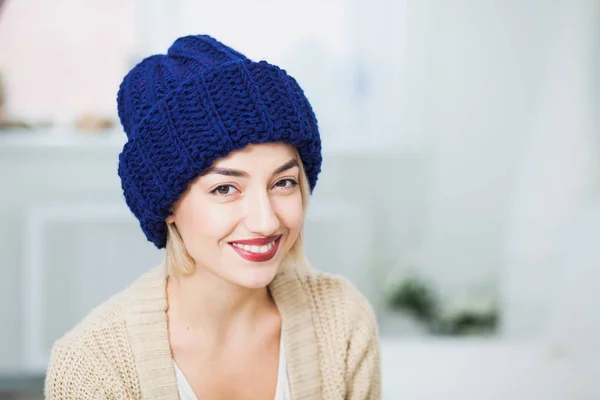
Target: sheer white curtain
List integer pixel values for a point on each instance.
(508, 100)
(557, 176)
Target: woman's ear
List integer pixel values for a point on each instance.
(171, 218)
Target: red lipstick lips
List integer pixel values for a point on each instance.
(257, 250)
(258, 241)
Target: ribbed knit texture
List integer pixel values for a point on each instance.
(185, 109)
(121, 350)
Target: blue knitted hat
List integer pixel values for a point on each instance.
(185, 109)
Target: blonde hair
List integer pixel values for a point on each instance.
(179, 262)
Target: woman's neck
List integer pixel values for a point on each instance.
(208, 302)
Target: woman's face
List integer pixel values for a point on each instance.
(240, 218)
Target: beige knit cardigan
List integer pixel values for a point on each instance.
(121, 349)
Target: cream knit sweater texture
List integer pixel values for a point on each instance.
(121, 349)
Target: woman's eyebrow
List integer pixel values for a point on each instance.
(226, 172)
(290, 164)
(241, 174)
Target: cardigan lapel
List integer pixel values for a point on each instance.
(146, 321)
(301, 347)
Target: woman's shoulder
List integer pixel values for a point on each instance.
(95, 341)
(331, 286)
(82, 350)
(335, 296)
(348, 327)
(79, 359)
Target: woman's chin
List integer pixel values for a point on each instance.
(255, 277)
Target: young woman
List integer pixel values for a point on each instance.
(222, 155)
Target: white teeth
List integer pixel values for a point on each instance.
(255, 249)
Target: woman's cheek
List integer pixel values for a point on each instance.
(291, 212)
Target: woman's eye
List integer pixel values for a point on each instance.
(286, 183)
(223, 190)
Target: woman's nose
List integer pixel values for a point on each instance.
(261, 218)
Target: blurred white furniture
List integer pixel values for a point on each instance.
(471, 369)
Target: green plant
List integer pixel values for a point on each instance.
(414, 297)
(478, 316)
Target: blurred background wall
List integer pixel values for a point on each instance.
(461, 151)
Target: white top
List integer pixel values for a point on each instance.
(282, 392)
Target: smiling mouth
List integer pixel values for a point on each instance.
(257, 250)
